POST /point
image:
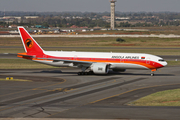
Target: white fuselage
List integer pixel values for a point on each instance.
(117, 60)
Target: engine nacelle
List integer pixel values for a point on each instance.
(119, 70)
(100, 68)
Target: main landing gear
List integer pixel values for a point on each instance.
(85, 73)
(82, 73)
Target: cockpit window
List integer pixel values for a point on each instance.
(161, 60)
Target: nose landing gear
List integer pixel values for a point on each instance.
(152, 72)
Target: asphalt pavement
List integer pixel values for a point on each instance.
(61, 93)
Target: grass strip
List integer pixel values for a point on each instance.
(163, 98)
(163, 51)
(173, 63)
(97, 41)
(21, 64)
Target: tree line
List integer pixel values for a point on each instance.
(62, 22)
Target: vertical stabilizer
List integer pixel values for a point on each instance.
(30, 45)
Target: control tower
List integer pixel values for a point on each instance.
(112, 13)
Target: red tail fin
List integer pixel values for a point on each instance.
(30, 45)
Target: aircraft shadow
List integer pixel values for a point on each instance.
(111, 73)
(51, 71)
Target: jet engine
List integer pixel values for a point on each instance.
(100, 68)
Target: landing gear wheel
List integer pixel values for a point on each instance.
(90, 73)
(79, 73)
(82, 73)
(152, 74)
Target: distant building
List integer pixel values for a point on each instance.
(106, 17)
(122, 18)
(12, 26)
(40, 26)
(1, 26)
(56, 30)
(74, 26)
(31, 17)
(85, 30)
(10, 19)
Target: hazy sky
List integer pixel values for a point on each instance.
(90, 5)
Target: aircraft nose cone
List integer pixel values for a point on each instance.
(165, 63)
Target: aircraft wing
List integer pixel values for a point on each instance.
(75, 62)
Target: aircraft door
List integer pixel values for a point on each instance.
(75, 57)
(148, 60)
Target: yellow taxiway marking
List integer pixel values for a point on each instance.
(87, 103)
(20, 80)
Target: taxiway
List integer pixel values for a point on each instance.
(61, 93)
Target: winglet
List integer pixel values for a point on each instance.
(30, 45)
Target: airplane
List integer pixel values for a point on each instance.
(88, 62)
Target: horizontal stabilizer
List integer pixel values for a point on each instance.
(29, 56)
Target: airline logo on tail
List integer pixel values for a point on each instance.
(29, 43)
